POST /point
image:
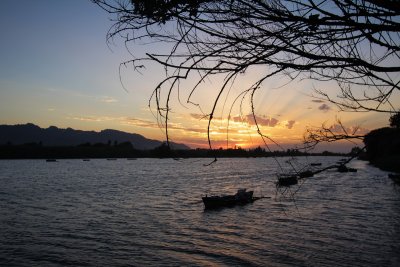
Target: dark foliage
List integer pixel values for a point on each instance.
(395, 120)
(102, 150)
(383, 148)
(163, 10)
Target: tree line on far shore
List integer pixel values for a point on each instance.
(126, 150)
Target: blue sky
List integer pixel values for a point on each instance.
(56, 68)
(56, 63)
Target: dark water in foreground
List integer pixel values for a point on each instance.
(148, 212)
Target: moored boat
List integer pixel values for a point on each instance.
(287, 180)
(240, 198)
(306, 174)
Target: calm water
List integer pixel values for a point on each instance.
(148, 212)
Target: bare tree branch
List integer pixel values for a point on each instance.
(355, 43)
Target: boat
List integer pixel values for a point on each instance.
(51, 160)
(287, 180)
(306, 174)
(240, 198)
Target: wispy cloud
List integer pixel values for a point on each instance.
(92, 118)
(204, 117)
(108, 99)
(77, 94)
(198, 116)
(290, 124)
(317, 101)
(171, 126)
(196, 130)
(324, 108)
(140, 122)
(353, 130)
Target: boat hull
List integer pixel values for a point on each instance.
(287, 180)
(213, 202)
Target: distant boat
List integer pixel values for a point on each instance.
(287, 180)
(240, 198)
(111, 159)
(86, 159)
(51, 160)
(131, 158)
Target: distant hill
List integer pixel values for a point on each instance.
(53, 136)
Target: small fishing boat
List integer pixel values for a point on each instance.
(306, 174)
(287, 180)
(240, 198)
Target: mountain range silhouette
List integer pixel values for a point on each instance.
(30, 133)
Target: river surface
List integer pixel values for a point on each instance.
(148, 212)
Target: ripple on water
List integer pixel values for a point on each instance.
(148, 212)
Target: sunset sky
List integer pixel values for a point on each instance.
(56, 68)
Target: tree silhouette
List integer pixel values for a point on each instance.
(395, 120)
(354, 43)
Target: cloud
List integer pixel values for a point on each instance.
(290, 124)
(261, 121)
(108, 99)
(171, 126)
(324, 108)
(196, 130)
(123, 120)
(352, 130)
(317, 101)
(141, 123)
(204, 117)
(91, 118)
(198, 116)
